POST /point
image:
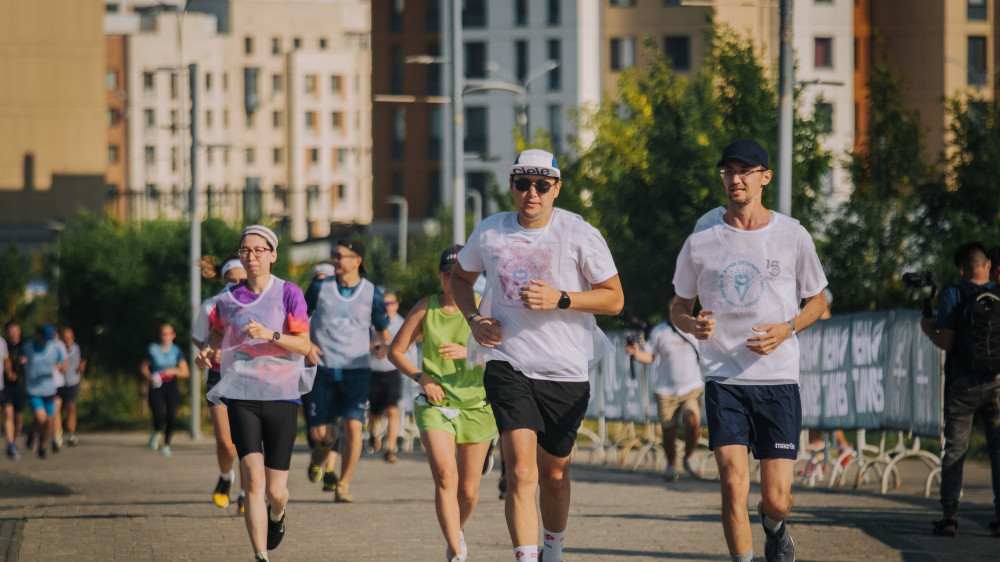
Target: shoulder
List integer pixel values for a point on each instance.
(709, 219)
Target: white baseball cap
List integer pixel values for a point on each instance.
(535, 162)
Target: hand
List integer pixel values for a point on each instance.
(488, 332)
(630, 349)
(539, 295)
(703, 325)
(204, 358)
(155, 380)
(452, 351)
(771, 336)
(380, 350)
(257, 331)
(432, 389)
(312, 358)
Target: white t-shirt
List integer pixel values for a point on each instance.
(58, 375)
(675, 360)
(567, 253)
(710, 219)
(4, 353)
(749, 278)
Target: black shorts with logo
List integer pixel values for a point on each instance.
(552, 409)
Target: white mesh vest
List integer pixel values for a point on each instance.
(339, 326)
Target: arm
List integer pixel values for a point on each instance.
(605, 297)
(681, 314)
(640, 355)
(8, 368)
(488, 332)
(943, 338)
(775, 334)
(181, 369)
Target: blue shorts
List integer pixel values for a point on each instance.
(765, 418)
(338, 393)
(47, 403)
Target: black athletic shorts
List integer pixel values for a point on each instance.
(68, 394)
(552, 409)
(264, 426)
(387, 387)
(211, 380)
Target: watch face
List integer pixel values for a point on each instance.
(277, 336)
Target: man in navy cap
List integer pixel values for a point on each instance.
(750, 268)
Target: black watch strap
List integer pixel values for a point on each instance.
(564, 301)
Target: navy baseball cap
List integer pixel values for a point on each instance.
(745, 150)
(449, 258)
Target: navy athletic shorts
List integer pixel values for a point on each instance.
(765, 418)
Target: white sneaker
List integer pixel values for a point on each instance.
(154, 441)
(166, 450)
(692, 468)
(670, 475)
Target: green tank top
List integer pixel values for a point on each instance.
(463, 387)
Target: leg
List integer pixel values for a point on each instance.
(392, 429)
(990, 411)
(71, 417)
(57, 419)
(276, 489)
(157, 406)
(520, 451)
(440, 447)
(692, 432)
(734, 479)
(8, 423)
(670, 445)
(554, 494)
(470, 472)
(776, 487)
(171, 398)
(958, 414)
(253, 476)
(225, 451)
(352, 449)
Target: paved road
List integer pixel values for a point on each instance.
(111, 498)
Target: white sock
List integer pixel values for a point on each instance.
(227, 476)
(261, 556)
(553, 545)
(243, 494)
(745, 557)
(277, 517)
(527, 552)
(771, 524)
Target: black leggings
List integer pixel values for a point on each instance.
(163, 402)
(264, 426)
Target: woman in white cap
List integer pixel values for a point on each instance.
(231, 272)
(261, 329)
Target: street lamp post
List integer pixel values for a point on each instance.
(456, 56)
(518, 87)
(403, 225)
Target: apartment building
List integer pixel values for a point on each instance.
(283, 110)
(52, 108)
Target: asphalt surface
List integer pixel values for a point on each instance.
(111, 498)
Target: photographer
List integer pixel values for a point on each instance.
(969, 388)
(678, 390)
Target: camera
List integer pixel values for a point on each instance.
(631, 338)
(922, 286)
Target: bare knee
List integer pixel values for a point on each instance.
(522, 475)
(446, 477)
(468, 495)
(777, 503)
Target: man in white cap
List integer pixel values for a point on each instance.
(547, 272)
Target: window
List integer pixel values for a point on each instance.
(225, 81)
(396, 16)
(475, 60)
(622, 53)
(174, 123)
(977, 61)
(975, 10)
(310, 83)
(623, 3)
(251, 156)
(310, 119)
(823, 52)
(209, 118)
(476, 130)
(322, 43)
(297, 43)
(225, 119)
(434, 128)
(275, 45)
(209, 155)
(337, 120)
(314, 156)
(248, 45)
(521, 60)
(823, 116)
(114, 117)
(554, 76)
(336, 82)
(312, 195)
(432, 18)
(174, 87)
(150, 154)
(396, 62)
(433, 86)
(398, 133)
(252, 199)
(554, 13)
(280, 197)
(173, 158)
(148, 81)
(341, 191)
(341, 157)
(398, 187)
(277, 119)
(678, 48)
(474, 13)
(149, 118)
(521, 13)
(251, 120)
(112, 154)
(111, 80)
(208, 81)
(555, 126)
(277, 155)
(277, 83)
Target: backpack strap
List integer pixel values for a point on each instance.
(681, 335)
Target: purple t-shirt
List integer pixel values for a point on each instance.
(296, 319)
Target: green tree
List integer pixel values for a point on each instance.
(15, 272)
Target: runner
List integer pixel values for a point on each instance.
(14, 396)
(41, 358)
(231, 272)
(163, 364)
(452, 411)
(66, 395)
(262, 330)
(386, 390)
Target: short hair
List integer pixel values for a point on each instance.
(994, 256)
(969, 255)
(11, 323)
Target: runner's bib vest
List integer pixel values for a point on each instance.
(339, 326)
(463, 387)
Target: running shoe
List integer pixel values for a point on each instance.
(56, 445)
(275, 530)
(42, 453)
(343, 493)
(390, 457)
(670, 475)
(947, 527)
(778, 546)
(30, 445)
(221, 494)
(13, 452)
(502, 485)
(995, 527)
(330, 481)
(692, 468)
(71, 439)
(154, 441)
(374, 443)
(488, 463)
(241, 504)
(165, 449)
(315, 473)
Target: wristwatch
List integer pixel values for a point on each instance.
(416, 378)
(472, 317)
(564, 301)
(792, 324)
(276, 336)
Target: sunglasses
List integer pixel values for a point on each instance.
(541, 186)
(339, 256)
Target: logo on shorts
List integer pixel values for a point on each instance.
(741, 284)
(788, 446)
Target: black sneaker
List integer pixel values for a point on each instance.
(778, 546)
(221, 494)
(42, 453)
(330, 481)
(56, 446)
(275, 530)
(947, 527)
(241, 505)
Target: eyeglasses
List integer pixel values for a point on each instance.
(743, 174)
(339, 256)
(541, 186)
(257, 252)
(390, 303)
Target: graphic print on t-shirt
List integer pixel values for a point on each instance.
(517, 266)
(741, 284)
